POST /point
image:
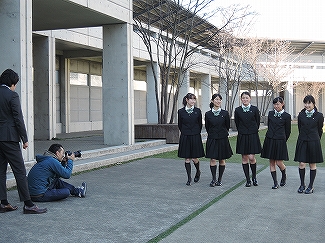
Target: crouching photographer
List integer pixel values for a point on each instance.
(44, 181)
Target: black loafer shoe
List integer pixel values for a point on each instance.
(7, 208)
(197, 176)
(275, 186)
(213, 183)
(301, 189)
(248, 184)
(34, 210)
(283, 182)
(309, 190)
(255, 182)
(219, 183)
(188, 183)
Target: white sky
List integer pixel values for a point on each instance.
(286, 19)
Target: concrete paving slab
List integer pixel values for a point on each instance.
(132, 202)
(260, 214)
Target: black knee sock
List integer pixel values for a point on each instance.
(273, 174)
(246, 171)
(213, 169)
(284, 175)
(302, 176)
(197, 166)
(312, 178)
(221, 170)
(253, 168)
(188, 170)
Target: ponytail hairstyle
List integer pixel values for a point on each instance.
(213, 97)
(188, 96)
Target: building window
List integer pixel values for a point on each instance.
(78, 79)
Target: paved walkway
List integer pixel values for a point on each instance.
(146, 200)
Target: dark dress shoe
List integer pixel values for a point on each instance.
(275, 186)
(197, 176)
(213, 183)
(255, 182)
(301, 189)
(283, 182)
(248, 184)
(7, 208)
(34, 210)
(309, 190)
(219, 183)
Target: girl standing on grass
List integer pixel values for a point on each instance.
(247, 120)
(275, 142)
(217, 124)
(190, 141)
(308, 147)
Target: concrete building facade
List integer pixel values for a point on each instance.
(83, 68)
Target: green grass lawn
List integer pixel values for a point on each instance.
(236, 158)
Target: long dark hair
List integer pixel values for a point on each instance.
(309, 99)
(188, 96)
(213, 97)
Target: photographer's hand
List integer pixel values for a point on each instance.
(72, 157)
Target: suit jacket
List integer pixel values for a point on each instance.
(278, 127)
(217, 126)
(12, 126)
(310, 129)
(247, 122)
(190, 124)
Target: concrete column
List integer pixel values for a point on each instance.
(152, 114)
(16, 53)
(118, 93)
(44, 87)
(206, 93)
(288, 98)
(65, 94)
(185, 87)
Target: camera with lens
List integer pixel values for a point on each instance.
(77, 154)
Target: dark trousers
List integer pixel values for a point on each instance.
(58, 190)
(10, 152)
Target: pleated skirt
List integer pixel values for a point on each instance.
(218, 149)
(275, 149)
(248, 144)
(308, 152)
(190, 146)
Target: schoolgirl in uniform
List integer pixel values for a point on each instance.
(217, 124)
(190, 141)
(247, 120)
(308, 147)
(275, 146)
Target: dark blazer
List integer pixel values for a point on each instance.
(190, 124)
(217, 126)
(310, 129)
(247, 122)
(278, 127)
(12, 126)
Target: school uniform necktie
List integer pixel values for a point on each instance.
(277, 114)
(245, 108)
(190, 110)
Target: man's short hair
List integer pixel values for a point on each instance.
(9, 77)
(55, 147)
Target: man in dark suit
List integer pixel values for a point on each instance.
(12, 131)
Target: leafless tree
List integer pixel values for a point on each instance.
(173, 31)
